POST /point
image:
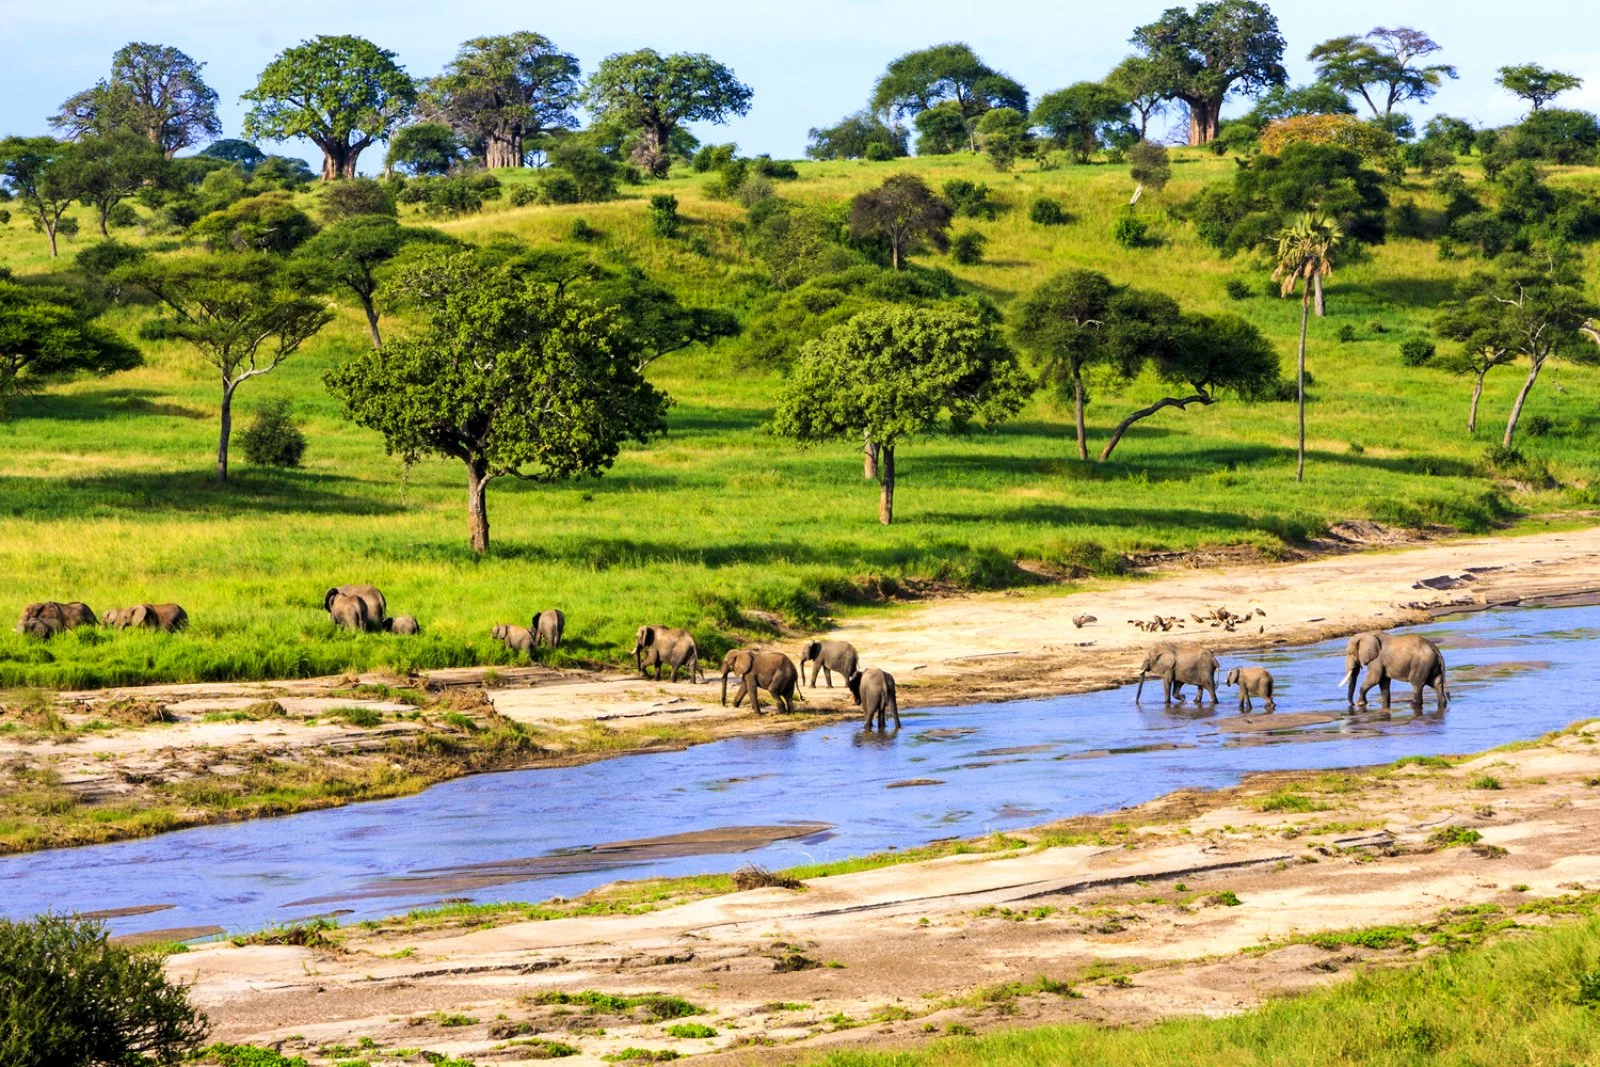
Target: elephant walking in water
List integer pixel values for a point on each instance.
(874, 691)
(1389, 657)
(1178, 666)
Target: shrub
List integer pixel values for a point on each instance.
(582, 231)
(712, 157)
(523, 195)
(272, 439)
(664, 220)
(1539, 425)
(699, 245)
(969, 199)
(1238, 289)
(355, 196)
(1415, 351)
(122, 216)
(1149, 165)
(1406, 220)
(1343, 131)
(1347, 333)
(1128, 230)
(5, 217)
(878, 152)
(967, 248)
(68, 997)
(1047, 211)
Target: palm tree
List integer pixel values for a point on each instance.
(1305, 255)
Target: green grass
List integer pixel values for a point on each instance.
(717, 517)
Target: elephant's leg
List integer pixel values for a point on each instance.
(1416, 696)
(1383, 687)
(827, 675)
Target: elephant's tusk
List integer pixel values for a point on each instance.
(1346, 679)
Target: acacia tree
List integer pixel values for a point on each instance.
(653, 94)
(341, 93)
(946, 74)
(1079, 116)
(238, 310)
(1140, 81)
(44, 334)
(896, 372)
(42, 173)
(1535, 84)
(1383, 67)
(499, 93)
(351, 256)
(1479, 325)
(1304, 257)
(904, 213)
(155, 91)
(1220, 48)
(108, 170)
(511, 376)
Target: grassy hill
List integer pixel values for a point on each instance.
(106, 492)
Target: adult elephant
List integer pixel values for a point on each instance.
(874, 691)
(826, 657)
(659, 646)
(1389, 657)
(548, 627)
(375, 608)
(58, 616)
(1177, 666)
(772, 671)
(349, 612)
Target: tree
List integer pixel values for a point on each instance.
(1222, 47)
(246, 156)
(1079, 117)
(1140, 81)
(351, 255)
(511, 376)
(1003, 136)
(1304, 257)
(267, 223)
(1207, 353)
(70, 998)
(1480, 326)
(904, 213)
(155, 91)
(42, 173)
(853, 135)
(652, 94)
(1535, 84)
(946, 73)
(1148, 164)
(1383, 67)
(896, 372)
(108, 170)
(340, 93)
(499, 93)
(46, 334)
(238, 310)
(424, 148)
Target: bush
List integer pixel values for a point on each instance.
(272, 439)
(712, 157)
(967, 248)
(664, 220)
(582, 231)
(1539, 425)
(122, 216)
(878, 152)
(523, 195)
(1347, 333)
(355, 196)
(1238, 289)
(970, 199)
(5, 217)
(1415, 351)
(1047, 211)
(1128, 230)
(68, 997)
(1149, 165)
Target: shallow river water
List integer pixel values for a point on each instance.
(830, 792)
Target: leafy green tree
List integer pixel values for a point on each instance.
(1149, 165)
(941, 130)
(1305, 256)
(267, 223)
(1273, 189)
(947, 73)
(341, 93)
(1558, 135)
(352, 255)
(1204, 56)
(350, 199)
(903, 213)
(511, 376)
(1285, 101)
(1003, 136)
(155, 91)
(892, 373)
(70, 998)
(1457, 134)
(653, 94)
(46, 334)
(1080, 117)
(1384, 67)
(110, 169)
(1481, 327)
(852, 136)
(239, 311)
(783, 323)
(42, 174)
(243, 154)
(500, 93)
(1142, 84)
(424, 149)
(1535, 84)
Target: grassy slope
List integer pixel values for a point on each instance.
(105, 494)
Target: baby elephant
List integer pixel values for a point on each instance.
(166, 618)
(772, 671)
(826, 657)
(874, 691)
(41, 629)
(1252, 682)
(516, 638)
(547, 627)
(406, 625)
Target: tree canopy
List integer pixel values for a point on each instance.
(1220, 48)
(46, 334)
(351, 255)
(425, 149)
(155, 91)
(1143, 85)
(1384, 67)
(341, 93)
(652, 94)
(1535, 84)
(854, 137)
(903, 213)
(947, 73)
(499, 93)
(1080, 117)
(42, 173)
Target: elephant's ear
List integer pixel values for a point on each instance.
(327, 599)
(1371, 645)
(139, 615)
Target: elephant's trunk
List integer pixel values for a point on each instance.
(724, 688)
(1349, 682)
(638, 659)
(1137, 693)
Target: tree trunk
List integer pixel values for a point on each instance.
(335, 161)
(894, 253)
(1321, 304)
(1472, 412)
(478, 505)
(886, 481)
(50, 229)
(1305, 313)
(869, 457)
(225, 432)
(1145, 413)
(1077, 413)
(503, 150)
(1522, 398)
(1202, 121)
(103, 211)
(372, 320)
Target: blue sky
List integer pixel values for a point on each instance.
(809, 62)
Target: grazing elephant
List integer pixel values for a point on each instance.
(1178, 666)
(405, 625)
(1387, 657)
(42, 629)
(377, 609)
(1252, 682)
(163, 617)
(68, 616)
(548, 626)
(772, 671)
(826, 657)
(516, 638)
(349, 612)
(874, 691)
(658, 646)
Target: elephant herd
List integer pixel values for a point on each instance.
(48, 618)
(1388, 658)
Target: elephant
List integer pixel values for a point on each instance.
(377, 609)
(826, 657)
(658, 646)
(1252, 682)
(548, 627)
(42, 629)
(405, 625)
(772, 671)
(163, 617)
(516, 638)
(349, 612)
(1178, 666)
(68, 616)
(874, 691)
(1407, 657)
